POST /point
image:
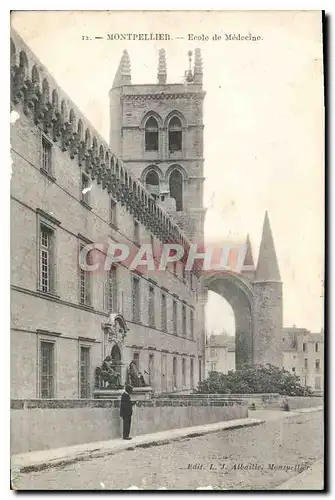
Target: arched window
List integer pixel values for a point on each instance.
(176, 188)
(151, 135)
(152, 183)
(175, 134)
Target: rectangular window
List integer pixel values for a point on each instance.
(192, 324)
(47, 367)
(84, 372)
(112, 290)
(84, 281)
(213, 367)
(151, 306)
(112, 212)
(184, 320)
(316, 347)
(183, 371)
(317, 366)
(175, 268)
(175, 318)
(85, 189)
(304, 347)
(174, 373)
(212, 351)
(46, 155)
(317, 383)
(136, 232)
(164, 313)
(46, 259)
(192, 372)
(200, 370)
(306, 363)
(136, 299)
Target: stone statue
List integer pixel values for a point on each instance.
(107, 374)
(135, 377)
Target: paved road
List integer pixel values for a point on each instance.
(246, 458)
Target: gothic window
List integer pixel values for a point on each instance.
(175, 134)
(152, 183)
(176, 188)
(151, 135)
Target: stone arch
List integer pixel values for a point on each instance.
(241, 298)
(176, 166)
(150, 168)
(177, 114)
(152, 114)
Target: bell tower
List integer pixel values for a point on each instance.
(157, 130)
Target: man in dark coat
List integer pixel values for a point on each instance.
(126, 411)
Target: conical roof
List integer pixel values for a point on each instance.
(248, 259)
(267, 266)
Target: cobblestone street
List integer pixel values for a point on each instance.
(218, 460)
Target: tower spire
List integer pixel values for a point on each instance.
(198, 74)
(123, 74)
(267, 265)
(248, 259)
(162, 72)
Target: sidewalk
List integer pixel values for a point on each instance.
(40, 460)
(44, 459)
(310, 479)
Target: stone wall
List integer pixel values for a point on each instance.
(45, 424)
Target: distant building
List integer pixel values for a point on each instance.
(303, 354)
(220, 353)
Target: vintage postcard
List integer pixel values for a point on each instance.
(167, 246)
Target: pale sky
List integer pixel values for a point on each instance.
(263, 116)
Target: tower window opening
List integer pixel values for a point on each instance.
(151, 135)
(175, 135)
(152, 183)
(176, 188)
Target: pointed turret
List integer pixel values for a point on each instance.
(267, 266)
(123, 74)
(162, 72)
(197, 66)
(248, 259)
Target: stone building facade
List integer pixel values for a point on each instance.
(220, 354)
(68, 190)
(303, 354)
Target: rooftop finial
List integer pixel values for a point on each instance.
(197, 66)
(189, 74)
(162, 72)
(123, 74)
